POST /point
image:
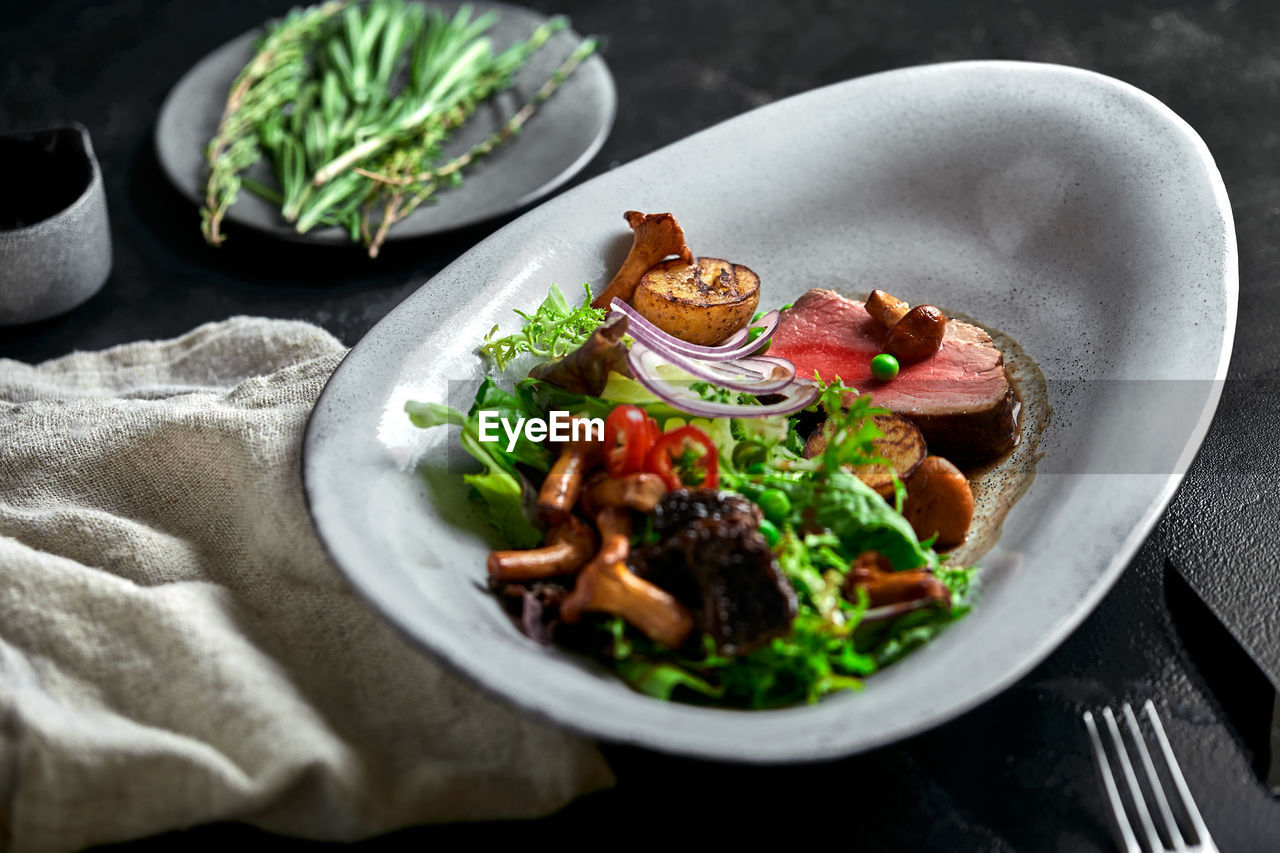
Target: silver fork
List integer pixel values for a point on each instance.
(1124, 828)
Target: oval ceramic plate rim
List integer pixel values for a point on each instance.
(412, 226)
(660, 730)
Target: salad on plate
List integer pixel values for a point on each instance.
(730, 506)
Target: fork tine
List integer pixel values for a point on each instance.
(1131, 779)
(1119, 820)
(1157, 789)
(1175, 773)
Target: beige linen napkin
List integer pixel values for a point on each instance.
(175, 648)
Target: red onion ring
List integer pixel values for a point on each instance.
(798, 394)
(735, 346)
(753, 376)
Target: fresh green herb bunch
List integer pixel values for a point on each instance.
(352, 110)
(270, 81)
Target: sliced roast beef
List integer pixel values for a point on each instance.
(960, 398)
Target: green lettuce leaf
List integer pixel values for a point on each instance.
(511, 409)
(427, 415)
(661, 679)
(862, 519)
(499, 488)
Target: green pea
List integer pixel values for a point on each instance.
(775, 504)
(770, 532)
(755, 468)
(884, 367)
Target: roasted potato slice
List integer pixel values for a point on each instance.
(902, 444)
(702, 303)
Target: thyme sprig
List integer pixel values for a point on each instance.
(353, 110)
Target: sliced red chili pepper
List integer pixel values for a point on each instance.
(670, 446)
(628, 435)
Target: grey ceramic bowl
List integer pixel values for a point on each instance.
(1070, 210)
(55, 239)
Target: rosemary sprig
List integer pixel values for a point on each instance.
(270, 80)
(402, 200)
(352, 111)
(509, 129)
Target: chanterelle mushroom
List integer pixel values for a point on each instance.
(656, 236)
(569, 547)
(635, 491)
(606, 585)
(894, 592)
(563, 484)
(612, 588)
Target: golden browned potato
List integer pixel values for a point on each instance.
(702, 303)
(939, 501)
(902, 444)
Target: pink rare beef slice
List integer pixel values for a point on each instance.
(960, 398)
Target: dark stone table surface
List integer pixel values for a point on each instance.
(1013, 774)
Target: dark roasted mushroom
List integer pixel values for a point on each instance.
(684, 507)
(713, 558)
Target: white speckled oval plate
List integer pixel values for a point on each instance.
(1067, 209)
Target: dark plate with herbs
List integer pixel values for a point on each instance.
(554, 144)
(1069, 210)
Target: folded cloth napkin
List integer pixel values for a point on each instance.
(175, 647)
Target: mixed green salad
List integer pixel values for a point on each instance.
(825, 533)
